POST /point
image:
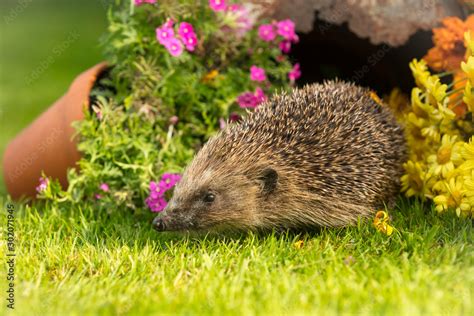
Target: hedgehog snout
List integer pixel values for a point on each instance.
(173, 218)
(159, 223)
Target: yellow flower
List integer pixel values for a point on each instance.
(454, 197)
(468, 97)
(436, 91)
(419, 108)
(414, 180)
(398, 102)
(210, 75)
(468, 68)
(467, 154)
(420, 72)
(469, 187)
(299, 244)
(441, 163)
(381, 223)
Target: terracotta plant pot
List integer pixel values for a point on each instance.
(47, 144)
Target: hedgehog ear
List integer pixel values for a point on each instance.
(268, 179)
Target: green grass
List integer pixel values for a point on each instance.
(85, 263)
(82, 262)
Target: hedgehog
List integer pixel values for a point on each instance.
(324, 155)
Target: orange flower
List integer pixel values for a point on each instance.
(448, 53)
(449, 48)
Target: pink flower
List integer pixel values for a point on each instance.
(266, 32)
(156, 200)
(257, 73)
(156, 205)
(43, 185)
(156, 190)
(295, 73)
(174, 120)
(234, 8)
(188, 36)
(246, 100)
(286, 28)
(217, 5)
(139, 2)
(174, 47)
(98, 196)
(285, 46)
(234, 117)
(190, 42)
(222, 123)
(99, 115)
(260, 96)
(242, 19)
(104, 187)
(168, 180)
(164, 34)
(251, 100)
(185, 29)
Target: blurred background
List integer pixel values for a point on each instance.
(44, 44)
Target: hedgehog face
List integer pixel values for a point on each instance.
(212, 200)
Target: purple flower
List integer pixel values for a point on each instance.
(104, 187)
(217, 5)
(285, 46)
(266, 32)
(257, 73)
(164, 34)
(139, 2)
(174, 47)
(295, 73)
(286, 28)
(43, 185)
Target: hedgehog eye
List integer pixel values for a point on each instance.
(209, 197)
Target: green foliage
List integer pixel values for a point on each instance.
(152, 111)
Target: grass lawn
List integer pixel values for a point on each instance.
(82, 262)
